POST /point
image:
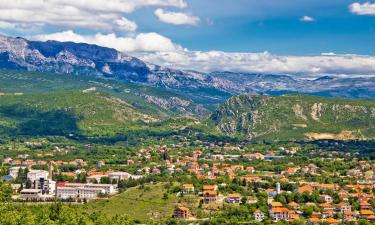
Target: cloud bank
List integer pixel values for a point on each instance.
(104, 15)
(265, 62)
(157, 49)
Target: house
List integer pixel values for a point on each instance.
(210, 197)
(182, 212)
(188, 188)
(327, 198)
(234, 198)
(306, 188)
(316, 214)
(294, 205)
(7, 160)
(328, 214)
(314, 221)
(250, 169)
(326, 206)
(343, 207)
(253, 156)
(293, 215)
(156, 171)
(279, 213)
(290, 171)
(348, 216)
(344, 195)
(210, 188)
(7, 178)
(276, 205)
(13, 171)
(259, 216)
(331, 221)
(100, 164)
(365, 206)
(366, 213)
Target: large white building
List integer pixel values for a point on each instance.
(122, 176)
(77, 190)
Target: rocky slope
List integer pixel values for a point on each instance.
(296, 117)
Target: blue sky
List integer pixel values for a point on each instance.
(271, 25)
(251, 35)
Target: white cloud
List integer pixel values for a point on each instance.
(126, 25)
(263, 62)
(307, 19)
(106, 15)
(366, 8)
(143, 42)
(176, 18)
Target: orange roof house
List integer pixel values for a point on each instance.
(305, 188)
(276, 204)
(209, 188)
(331, 221)
(181, 212)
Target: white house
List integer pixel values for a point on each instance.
(259, 215)
(13, 171)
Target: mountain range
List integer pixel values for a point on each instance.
(103, 92)
(209, 89)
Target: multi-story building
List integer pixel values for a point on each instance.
(210, 197)
(181, 212)
(279, 214)
(40, 180)
(77, 190)
(47, 186)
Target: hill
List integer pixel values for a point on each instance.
(296, 117)
(157, 101)
(67, 113)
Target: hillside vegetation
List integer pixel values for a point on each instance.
(156, 101)
(296, 117)
(67, 113)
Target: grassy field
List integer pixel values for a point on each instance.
(144, 205)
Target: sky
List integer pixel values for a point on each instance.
(267, 36)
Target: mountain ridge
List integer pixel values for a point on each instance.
(209, 89)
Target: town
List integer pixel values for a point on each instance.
(264, 183)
